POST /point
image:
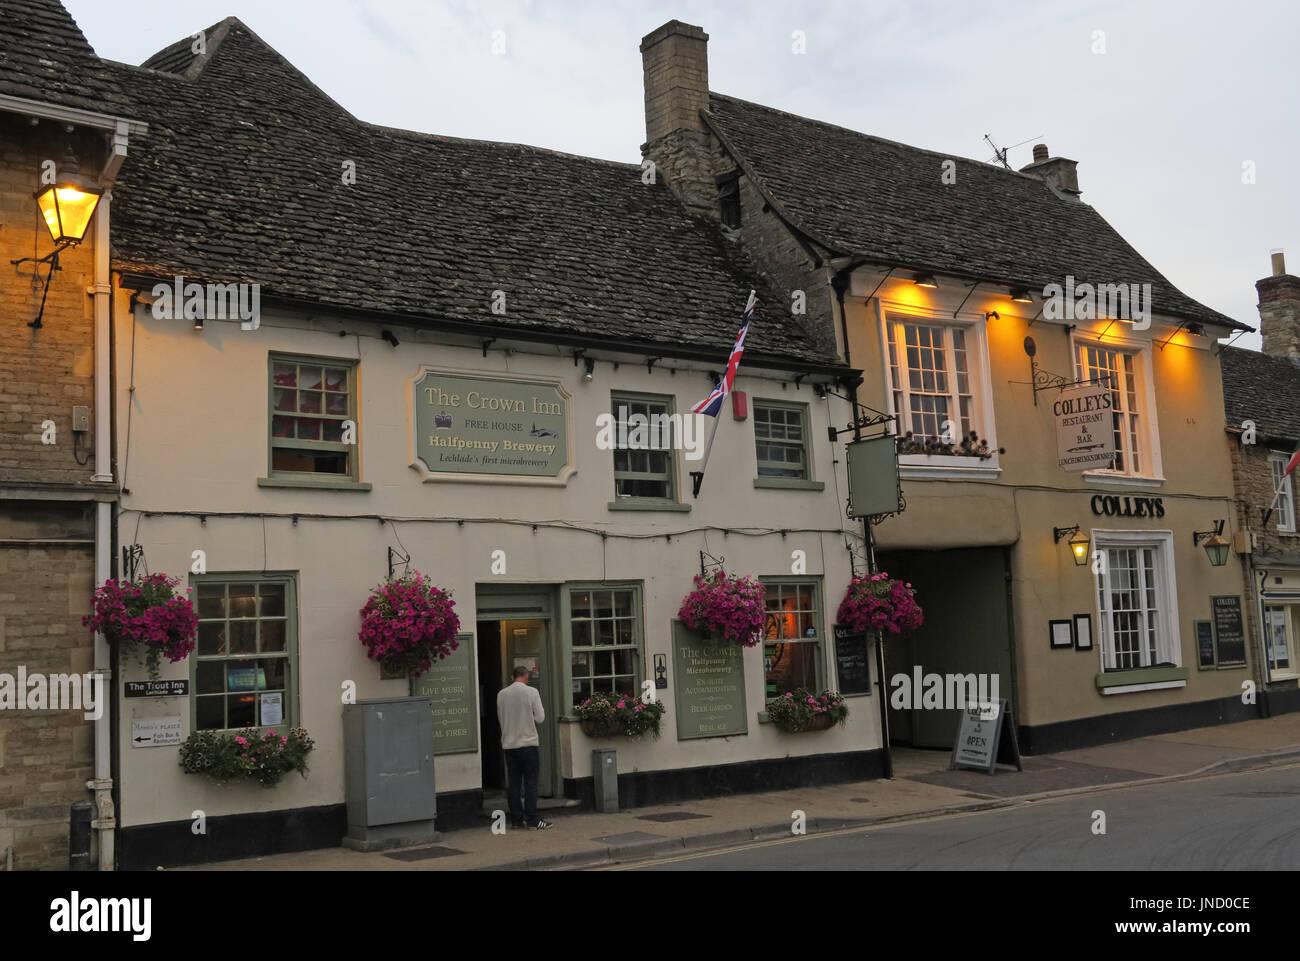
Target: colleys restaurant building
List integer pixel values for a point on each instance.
(422, 388)
(1069, 502)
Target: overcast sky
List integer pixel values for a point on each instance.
(1161, 122)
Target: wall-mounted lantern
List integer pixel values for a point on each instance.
(67, 206)
(1216, 548)
(1079, 542)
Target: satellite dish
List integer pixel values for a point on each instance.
(1030, 347)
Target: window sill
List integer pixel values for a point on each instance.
(1141, 679)
(317, 483)
(1122, 480)
(789, 483)
(634, 504)
(948, 467)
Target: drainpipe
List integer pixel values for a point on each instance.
(105, 819)
(840, 284)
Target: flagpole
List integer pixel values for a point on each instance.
(697, 477)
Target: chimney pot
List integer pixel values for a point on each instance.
(1040, 152)
(1279, 263)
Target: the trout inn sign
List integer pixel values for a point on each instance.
(489, 429)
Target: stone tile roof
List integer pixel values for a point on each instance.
(45, 57)
(885, 202)
(240, 178)
(1263, 389)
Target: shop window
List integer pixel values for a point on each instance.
(781, 439)
(1135, 599)
(1284, 504)
(242, 673)
(1278, 624)
(938, 381)
(311, 399)
(792, 636)
(604, 641)
(644, 465)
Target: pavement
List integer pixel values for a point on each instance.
(922, 787)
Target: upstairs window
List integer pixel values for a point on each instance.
(935, 379)
(1284, 505)
(1119, 369)
(781, 439)
(644, 467)
(311, 401)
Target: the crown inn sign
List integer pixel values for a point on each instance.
(489, 429)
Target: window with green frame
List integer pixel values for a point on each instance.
(792, 636)
(604, 640)
(311, 398)
(781, 439)
(242, 672)
(646, 468)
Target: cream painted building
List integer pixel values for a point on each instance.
(280, 467)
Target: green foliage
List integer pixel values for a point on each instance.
(792, 710)
(609, 714)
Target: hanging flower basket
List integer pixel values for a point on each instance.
(729, 608)
(147, 617)
(611, 715)
(880, 602)
(799, 711)
(408, 623)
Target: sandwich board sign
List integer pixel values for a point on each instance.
(979, 738)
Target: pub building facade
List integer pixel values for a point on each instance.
(964, 293)
(1261, 397)
(66, 132)
(421, 387)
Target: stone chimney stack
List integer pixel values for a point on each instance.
(1279, 311)
(675, 62)
(1062, 174)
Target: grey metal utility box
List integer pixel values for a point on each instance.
(604, 773)
(388, 772)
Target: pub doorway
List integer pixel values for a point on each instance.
(513, 629)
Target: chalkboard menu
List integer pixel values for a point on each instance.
(708, 685)
(1229, 632)
(852, 664)
(1204, 643)
(450, 684)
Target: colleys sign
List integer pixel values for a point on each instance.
(494, 429)
(1085, 430)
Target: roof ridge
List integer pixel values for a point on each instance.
(882, 140)
(495, 143)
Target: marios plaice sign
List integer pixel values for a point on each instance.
(1085, 427)
(486, 426)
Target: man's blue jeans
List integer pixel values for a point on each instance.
(523, 763)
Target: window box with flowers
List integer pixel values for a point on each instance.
(233, 755)
(728, 608)
(800, 711)
(612, 715)
(146, 617)
(407, 624)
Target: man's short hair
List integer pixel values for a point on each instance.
(521, 671)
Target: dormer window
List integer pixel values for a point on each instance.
(729, 200)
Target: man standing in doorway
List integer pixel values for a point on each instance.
(519, 709)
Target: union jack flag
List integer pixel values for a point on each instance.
(712, 405)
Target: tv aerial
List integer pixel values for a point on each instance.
(1000, 153)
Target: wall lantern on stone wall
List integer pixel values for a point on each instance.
(67, 206)
(69, 203)
(1216, 548)
(1078, 542)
